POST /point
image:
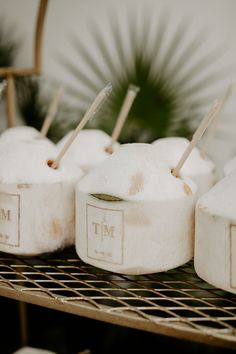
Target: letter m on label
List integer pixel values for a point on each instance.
(108, 230)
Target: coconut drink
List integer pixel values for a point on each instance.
(124, 207)
(200, 169)
(36, 201)
(37, 193)
(198, 166)
(89, 148)
(93, 146)
(215, 237)
(135, 212)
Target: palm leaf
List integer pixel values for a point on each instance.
(8, 47)
(31, 106)
(176, 82)
(170, 75)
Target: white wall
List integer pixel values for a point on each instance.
(66, 17)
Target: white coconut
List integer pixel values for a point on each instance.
(215, 235)
(31, 350)
(230, 166)
(132, 215)
(22, 133)
(36, 201)
(88, 149)
(200, 170)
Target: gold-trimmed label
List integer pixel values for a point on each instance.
(9, 219)
(233, 256)
(105, 233)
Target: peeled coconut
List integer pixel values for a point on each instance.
(36, 201)
(215, 239)
(132, 215)
(22, 133)
(199, 169)
(88, 149)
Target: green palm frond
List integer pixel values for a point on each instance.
(176, 83)
(33, 103)
(8, 47)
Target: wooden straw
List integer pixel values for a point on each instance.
(128, 101)
(214, 124)
(97, 103)
(10, 94)
(197, 136)
(52, 111)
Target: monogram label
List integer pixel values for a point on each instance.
(9, 219)
(233, 256)
(105, 234)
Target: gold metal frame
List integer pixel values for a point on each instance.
(10, 72)
(175, 303)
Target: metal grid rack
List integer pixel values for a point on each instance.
(175, 303)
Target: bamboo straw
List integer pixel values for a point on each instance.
(197, 136)
(97, 103)
(52, 111)
(10, 94)
(127, 104)
(212, 130)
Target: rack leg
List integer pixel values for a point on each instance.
(23, 323)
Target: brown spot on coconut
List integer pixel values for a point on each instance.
(187, 189)
(56, 228)
(137, 183)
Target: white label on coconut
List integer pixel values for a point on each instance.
(105, 234)
(233, 256)
(9, 219)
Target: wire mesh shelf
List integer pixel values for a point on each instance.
(175, 303)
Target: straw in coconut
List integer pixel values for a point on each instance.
(127, 104)
(52, 111)
(197, 136)
(97, 103)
